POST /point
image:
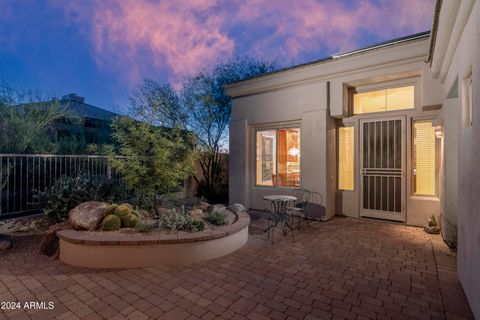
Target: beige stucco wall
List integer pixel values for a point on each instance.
(456, 54)
(302, 105)
(313, 97)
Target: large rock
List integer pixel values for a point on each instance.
(5, 243)
(162, 211)
(237, 207)
(50, 242)
(196, 214)
(217, 207)
(88, 215)
(203, 206)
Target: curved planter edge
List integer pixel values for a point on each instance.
(107, 250)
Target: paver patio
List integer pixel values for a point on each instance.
(343, 269)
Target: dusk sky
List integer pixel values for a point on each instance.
(101, 49)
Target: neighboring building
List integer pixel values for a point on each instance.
(95, 122)
(389, 131)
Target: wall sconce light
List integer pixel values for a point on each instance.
(438, 127)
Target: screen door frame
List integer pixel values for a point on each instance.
(384, 214)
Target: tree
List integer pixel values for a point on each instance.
(26, 121)
(156, 159)
(203, 108)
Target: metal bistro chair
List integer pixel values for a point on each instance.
(298, 210)
(278, 213)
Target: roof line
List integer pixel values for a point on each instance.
(433, 38)
(412, 37)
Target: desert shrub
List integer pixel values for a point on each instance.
(146, 227)
(69, 192)
(180, 220)
(216, 218)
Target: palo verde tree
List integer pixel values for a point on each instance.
(27, 121)
(203, 108)
(156, 159)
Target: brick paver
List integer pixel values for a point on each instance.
(342, 269)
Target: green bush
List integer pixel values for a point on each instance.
(180, 220)
(69, 192)
(216, 218)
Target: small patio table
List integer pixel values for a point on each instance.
(279, 213)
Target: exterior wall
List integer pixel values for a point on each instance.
(304, 105)
(313, 97)
(457, 54)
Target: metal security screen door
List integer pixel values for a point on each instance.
(382, 167)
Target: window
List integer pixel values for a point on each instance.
(278, 157)
(345, 158)
(424, 162)
(384, 100)
(467, 103)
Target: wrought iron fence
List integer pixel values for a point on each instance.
(24, 176)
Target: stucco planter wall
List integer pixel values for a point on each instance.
(120, 250)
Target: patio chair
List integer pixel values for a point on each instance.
(274, 216)
(298, 210)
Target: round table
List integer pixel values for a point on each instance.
(279, 205)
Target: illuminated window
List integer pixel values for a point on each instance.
(278, 157)
(345, 158)
(424, 153)
(384, 100)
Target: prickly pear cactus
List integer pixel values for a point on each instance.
(111, 223)
(129, 221)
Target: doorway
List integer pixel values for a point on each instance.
(382, 168)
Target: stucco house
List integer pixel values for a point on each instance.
(390, 131)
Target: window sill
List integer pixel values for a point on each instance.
(425, 198)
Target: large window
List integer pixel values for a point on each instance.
(345, 158)
(384, 100)
(278, 157)
(424, 158)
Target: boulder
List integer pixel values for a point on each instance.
(217, 207)
(237, 207)
(5, 243)
(162, 211)
(88, 215)
(50, 242)
(203, 206)
(196, 214)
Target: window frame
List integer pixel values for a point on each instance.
(354, 127)
(383, 86)
(276, 128)
(414, 195)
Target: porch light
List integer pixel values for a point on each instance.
(438, 127)
(293, 151)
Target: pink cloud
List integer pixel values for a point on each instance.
(174, 36)
(310, 25)
(135, 37)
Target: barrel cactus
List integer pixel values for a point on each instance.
(135, 213)
(123, 210)
(129, 221)
(111, 223)
(111, 209)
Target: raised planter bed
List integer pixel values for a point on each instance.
(96, 249)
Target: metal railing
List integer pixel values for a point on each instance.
(24, 176)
